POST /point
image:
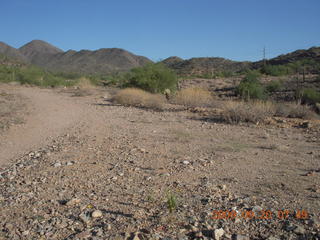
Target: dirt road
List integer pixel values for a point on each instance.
(49, 115)
(74, 156)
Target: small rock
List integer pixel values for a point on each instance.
(257, 210)
(70, 163)
(96, 214)
(185, 162)
(299, 230)
(273, 238)
(289, 227)
(85, 217)
(73, 201)
(108, 227)
(84, 234)
(142, 150)
(240, 237)
(218, 233)
(57, 164)
(136, 237)
(25, 233)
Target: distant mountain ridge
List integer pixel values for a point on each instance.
(11, 52)
(47, 56)
(110, 60)
(205, 65)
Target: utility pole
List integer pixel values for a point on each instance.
(264, 56)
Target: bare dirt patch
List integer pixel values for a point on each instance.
(12, 109)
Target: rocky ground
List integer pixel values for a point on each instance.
(112, 172)
(12, 109)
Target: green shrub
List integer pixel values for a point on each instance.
(276, 70)
(310, 96)
(250, 87)
(273, 86)
(153, 78)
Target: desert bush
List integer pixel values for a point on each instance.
(274, 85)
(310, 96)
(294, 110)
(153, 78)
(193, 97)
(139, 98)
(276, 70)
(254, 111)
(250, 87)
(85, 83)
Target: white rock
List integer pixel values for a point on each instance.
(73, 201)
(96, 214)
(57, 164)
(218, 233)
(185, 162)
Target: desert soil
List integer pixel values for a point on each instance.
(77, 166)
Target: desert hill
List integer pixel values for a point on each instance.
(11, 52)
(49, 57)
(111, 60)
(210, 66)
(204, 65)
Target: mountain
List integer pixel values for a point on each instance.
(109, 60)
(105, 60)
(204, 65)
(39, 52)
(11, 52)
(299, 55)
(310, 58)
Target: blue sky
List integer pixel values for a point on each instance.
(234, 29)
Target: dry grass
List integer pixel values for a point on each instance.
(193, 97)
(294, 110)
(139, 98)
(85, 83)
(254, 112)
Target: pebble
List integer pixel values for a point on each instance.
(240, 237)
(73, 201)
(96, 214)
(57, 164)
(85, 217)
(185, 162)
(273, 238)
(299, 230)
(218, 233)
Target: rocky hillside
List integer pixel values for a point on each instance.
(39, 52)
(104, 60)
(49, 57)
(203, 66)
(110, 60)
(216, 66)
(11, 52)
(310, 54)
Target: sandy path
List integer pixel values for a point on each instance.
(50, 115)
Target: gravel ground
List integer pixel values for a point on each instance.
(101, 171)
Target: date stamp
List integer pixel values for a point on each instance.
(260, 215)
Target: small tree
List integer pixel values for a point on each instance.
(153, 78)
(250, 86)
